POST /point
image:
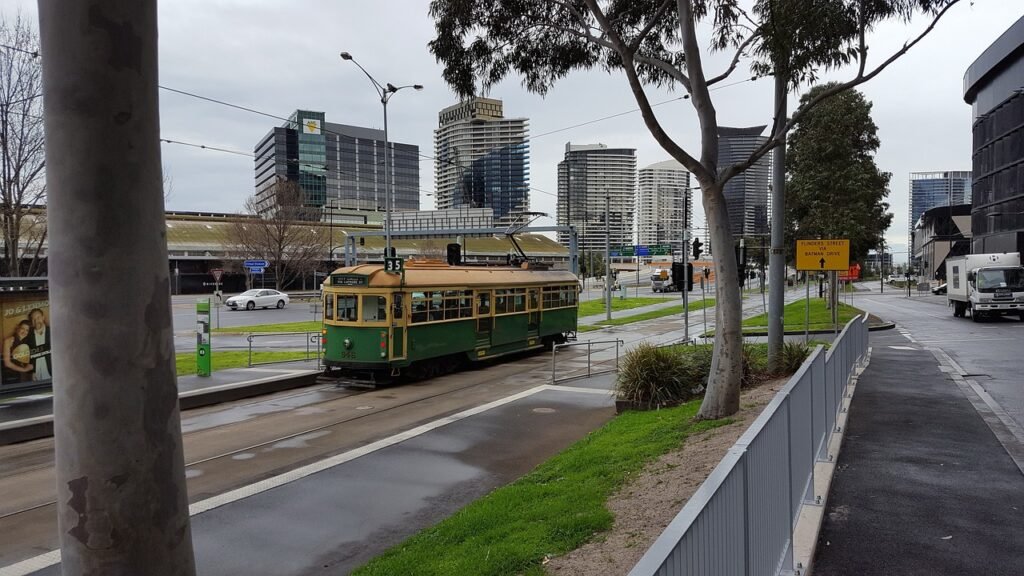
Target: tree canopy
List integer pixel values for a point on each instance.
(655, 43)
(834, 189)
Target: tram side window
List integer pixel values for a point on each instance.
(466, 304)
(347, 308)
(420, 303)
(375, 309)
(500, 301)
(518, 300)
(559, 296)
(328, 306)
(483, 303)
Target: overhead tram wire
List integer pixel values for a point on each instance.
(426, 156)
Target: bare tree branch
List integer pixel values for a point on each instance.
(651, 23)
(646, 111)
(736, 58)
(22, 156)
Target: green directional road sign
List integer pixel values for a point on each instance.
(624, 250)
(661, 250)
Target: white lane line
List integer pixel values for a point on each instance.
(51, 558)
(26, 422)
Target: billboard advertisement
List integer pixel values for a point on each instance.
(25, 328)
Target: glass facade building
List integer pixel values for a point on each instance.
(588, 174)
(664, 201)
(746, 195)
(482, 159)
(994, 87)
(338, 166)
(934, 189)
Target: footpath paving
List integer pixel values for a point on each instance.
(922, 484)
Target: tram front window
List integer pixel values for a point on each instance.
(347, 308)
(375, 309)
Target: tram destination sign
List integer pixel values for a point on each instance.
(348, 280)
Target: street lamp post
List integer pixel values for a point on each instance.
(385, 92)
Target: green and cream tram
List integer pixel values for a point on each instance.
(433, 317)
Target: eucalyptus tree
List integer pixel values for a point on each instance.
(655, 44)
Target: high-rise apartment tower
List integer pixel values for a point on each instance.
(482, 159)
(664, 200)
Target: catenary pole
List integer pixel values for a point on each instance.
(121, 500)
(777, 257)
(688, 278)
(607, 258)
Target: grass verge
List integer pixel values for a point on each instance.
(592, 307)
(651, 315)
(794, 315)
(552, 510)
(306, 326)
(223, 359)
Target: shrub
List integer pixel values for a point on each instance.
(661, 376)
(793, 356)
(755, 365)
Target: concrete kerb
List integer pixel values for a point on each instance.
(42, 426)
(871, 328)
(808, 526)
(1003, 426)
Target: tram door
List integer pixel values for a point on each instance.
(533, 308)
(397, 336)
(483, 318)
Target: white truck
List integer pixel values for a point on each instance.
(661, 280)
(985, 284)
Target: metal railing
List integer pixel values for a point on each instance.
(312, 347)
(741, 520)
(604, 366)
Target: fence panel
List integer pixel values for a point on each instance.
(741, 519)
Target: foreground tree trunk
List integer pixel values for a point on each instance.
(722, 396)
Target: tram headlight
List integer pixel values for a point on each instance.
(347, 344)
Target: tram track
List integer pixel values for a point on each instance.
(348, 419)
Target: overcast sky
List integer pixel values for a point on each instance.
(277, 56)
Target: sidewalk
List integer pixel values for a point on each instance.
(922, 485)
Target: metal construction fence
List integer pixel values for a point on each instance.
(295, 349)
(741, 520)
(579, 366)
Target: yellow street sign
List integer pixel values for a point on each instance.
(823, 255)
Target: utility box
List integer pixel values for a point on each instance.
(203, 337)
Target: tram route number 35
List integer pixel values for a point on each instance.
(393, 265)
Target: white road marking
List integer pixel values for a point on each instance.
(903, 348)
(51, 558)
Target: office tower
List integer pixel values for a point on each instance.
(588, 174)
(746, 195)
(338, 166)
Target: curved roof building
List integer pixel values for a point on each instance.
(994, 87)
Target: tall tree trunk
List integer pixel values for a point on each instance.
(722, 396)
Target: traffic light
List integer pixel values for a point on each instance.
(741, 263)
(689, 277)
(678, 273)
(697, 248)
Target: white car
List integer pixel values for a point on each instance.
(262, 298)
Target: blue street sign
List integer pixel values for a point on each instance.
(255, 264)
(255, 270)
(642, 250)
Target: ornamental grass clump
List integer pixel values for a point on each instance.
(793, 356)
(650, 376)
